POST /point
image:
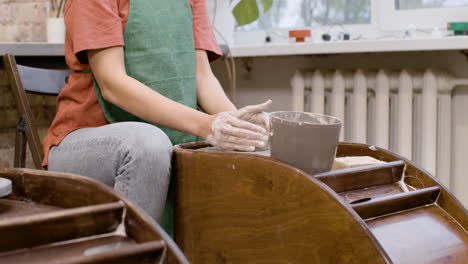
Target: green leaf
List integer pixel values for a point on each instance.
(246, 12)
(267, 5)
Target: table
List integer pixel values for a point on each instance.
(45, 55)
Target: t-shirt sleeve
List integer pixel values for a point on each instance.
(202, 30)
(93, 24)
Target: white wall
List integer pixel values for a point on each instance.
(460, 144)
(269, 79)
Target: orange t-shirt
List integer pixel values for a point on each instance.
(97, 24)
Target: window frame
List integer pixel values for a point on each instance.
(385, 18)
(391, 18)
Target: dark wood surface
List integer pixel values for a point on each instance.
(53, 189)
(13, 208)
(397, 202)
(62, 251)
(363, 177)
(21, 142)
(369, 193)
(245, 208)
(56, 212)
(60, 225)
(422, 235)
(242, 208)
(30, 129)
(417, 177)
(145, 253)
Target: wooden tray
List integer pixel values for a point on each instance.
(64, 218)
(247, 208)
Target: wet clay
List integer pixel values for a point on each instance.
(306, 141)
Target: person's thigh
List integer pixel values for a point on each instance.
(133, 158)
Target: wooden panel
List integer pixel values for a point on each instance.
(355, 196)
(57, 189)
(415, 176)
(61, 252)
(58, 226)
(242, 208)
(16, 180)
(230, 206)
(397, 202)
(423, 235)
(12, 208)
(69, 191)
(147, 253)
(143, 229)
(24, 109)
(363, 177)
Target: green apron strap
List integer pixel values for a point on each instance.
(83, 71)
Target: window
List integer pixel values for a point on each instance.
(398, 14)
(307, 13)
(418, 4)
(367, 18)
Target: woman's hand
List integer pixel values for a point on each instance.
(245, 129)
(255, 114)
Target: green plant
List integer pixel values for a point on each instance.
(247, 11)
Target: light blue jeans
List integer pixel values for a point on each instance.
(133, 158)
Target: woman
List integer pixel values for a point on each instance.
(137, 63)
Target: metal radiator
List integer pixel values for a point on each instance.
(406, 111)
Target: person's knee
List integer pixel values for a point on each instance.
(143, 173)
(150, 143)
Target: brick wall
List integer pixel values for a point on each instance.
(43, 109)
(21, 21)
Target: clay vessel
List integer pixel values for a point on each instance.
(306, 141)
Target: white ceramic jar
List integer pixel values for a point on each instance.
(55, 30)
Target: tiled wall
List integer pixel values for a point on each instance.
(21, 21)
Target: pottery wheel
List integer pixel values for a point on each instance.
(5, 187)
(265, 153)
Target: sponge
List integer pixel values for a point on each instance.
(355, 161)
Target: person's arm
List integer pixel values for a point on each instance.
(136, 98)
(224, 130)
(212, 99)
(211, 96)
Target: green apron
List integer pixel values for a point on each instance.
(159, 52)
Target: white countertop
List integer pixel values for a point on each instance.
(284, 49)
(354, 46)
(31, 49)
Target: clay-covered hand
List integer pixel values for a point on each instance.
(230, 132)
(255, 114)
